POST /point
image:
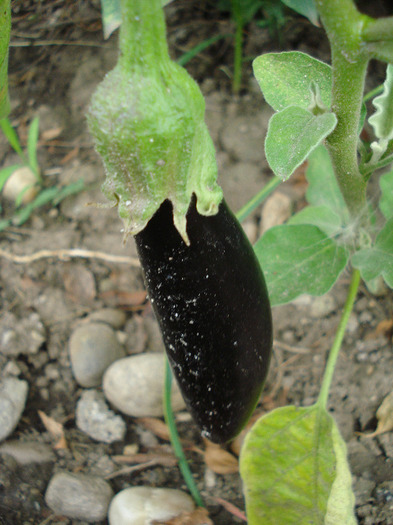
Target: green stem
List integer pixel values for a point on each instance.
(334, 351)
(237, 62)
(343, 24)
(175, 441)
(142, 39)
(255, 201)
(378, 30)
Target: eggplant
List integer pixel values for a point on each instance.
(212, 305)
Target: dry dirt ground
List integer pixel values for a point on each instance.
(57, 58)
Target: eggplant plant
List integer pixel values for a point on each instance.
(147, 119)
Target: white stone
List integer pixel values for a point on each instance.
(13, 393)
(78, 496)
(142, 505)
(135, 384)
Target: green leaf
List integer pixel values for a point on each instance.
(341, 501)
(5, 29)
(111, 15)
(11, 135)
(377, 260)
(32, 141)
(285, 79)
(299, 259)
(292, 135)
(321, 216)
(42, 198)
(382, 119)
(323, 189)
(294, 469)
(304, 7)
(386, 200)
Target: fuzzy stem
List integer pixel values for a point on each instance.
(378, 30)
(142, 38)
(343, 24)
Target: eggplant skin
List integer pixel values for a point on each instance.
(213, 309)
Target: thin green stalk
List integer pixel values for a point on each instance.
(238, 60)
(255, 201)
(334, 351)
(175, 441)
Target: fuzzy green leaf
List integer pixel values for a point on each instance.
(382, 119)
(299, 259)
(285, 79)
(323, 189)
(5, 29)
(386, 200)
(321, 216)
(377, 260)
(304, 7)
(292, 135)
(294, 469)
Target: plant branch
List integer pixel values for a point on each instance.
(343, 24)
(333, 355)
(378, 30)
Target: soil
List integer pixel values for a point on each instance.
(57, 58)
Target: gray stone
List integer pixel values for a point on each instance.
(78, 496)
(21, 336)
(135, 384)
(143, 505)
(94, 417)
(112, 316)
(13, 393)
(93, 347)
(25, 452)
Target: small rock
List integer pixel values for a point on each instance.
(79, 496)
(21, 336)
(135, 385)
(93, 347)
(22, 179)
(322, 306)
(115, 318)
(276, 210)
(143, 505)
(25, 452)
(94, 417)
(13, 393)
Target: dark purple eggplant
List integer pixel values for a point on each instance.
(213, 309)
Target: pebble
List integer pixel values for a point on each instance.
(135, 384)
(13, 393)
(78, 496)
(25, 452)
(21, 336)
(276, 210)
(322, 306)
(145, 505)
(115, 318)
(94, 417)
(93, 347)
